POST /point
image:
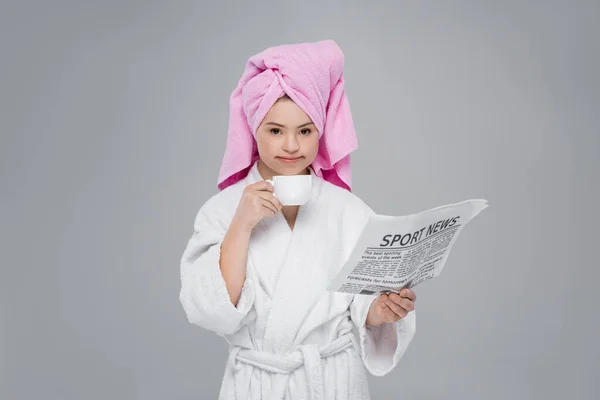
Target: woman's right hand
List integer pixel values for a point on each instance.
(256, 203)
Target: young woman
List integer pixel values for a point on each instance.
(256, 272)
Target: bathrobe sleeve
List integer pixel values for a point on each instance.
(203, 294)
(381, 346)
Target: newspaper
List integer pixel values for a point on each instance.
(393, 253)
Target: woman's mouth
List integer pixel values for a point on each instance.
(290, 160)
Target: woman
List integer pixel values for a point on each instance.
(256, 272)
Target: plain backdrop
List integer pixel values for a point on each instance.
(113, 126)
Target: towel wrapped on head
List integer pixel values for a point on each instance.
(312, 75)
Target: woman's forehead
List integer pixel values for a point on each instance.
(287, 112)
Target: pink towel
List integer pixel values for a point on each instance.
(312, 75)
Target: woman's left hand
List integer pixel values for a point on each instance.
(391, 307)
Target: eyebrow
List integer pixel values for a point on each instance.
(283, 126)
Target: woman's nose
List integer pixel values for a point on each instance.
(290, 143)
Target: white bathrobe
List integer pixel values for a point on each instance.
(289, 337)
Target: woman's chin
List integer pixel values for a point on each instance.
(290, 168)
(280, 167)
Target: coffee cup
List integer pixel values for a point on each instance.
(292, 190)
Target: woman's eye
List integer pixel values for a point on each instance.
(305, 131)
(275, 131)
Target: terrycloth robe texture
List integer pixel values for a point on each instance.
(289, 337)
(312, 75)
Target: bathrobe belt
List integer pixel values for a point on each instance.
(307, 356)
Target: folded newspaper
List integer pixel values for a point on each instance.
(393, 253)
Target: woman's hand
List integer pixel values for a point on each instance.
(391, 307)
(256, 203)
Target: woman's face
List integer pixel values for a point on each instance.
(287, 140)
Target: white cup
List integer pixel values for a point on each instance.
(292, 190)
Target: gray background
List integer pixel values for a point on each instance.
(114, 116)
